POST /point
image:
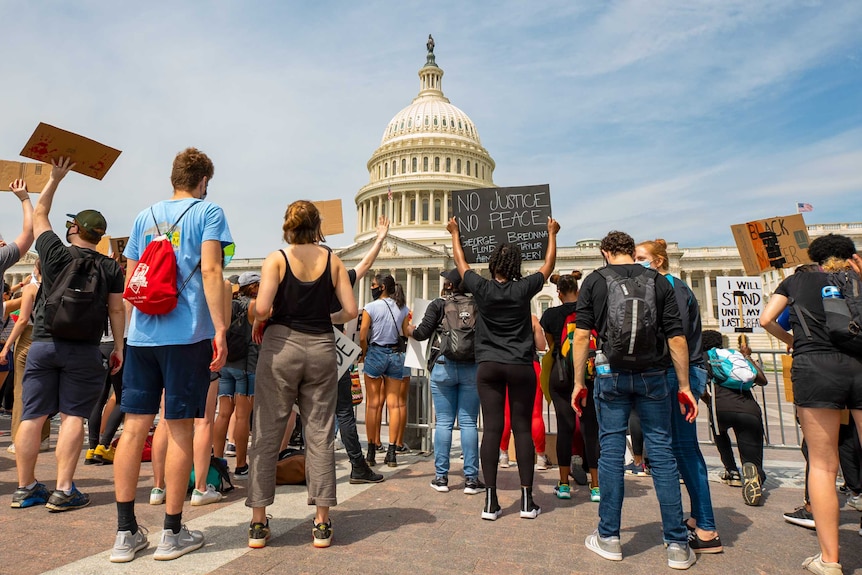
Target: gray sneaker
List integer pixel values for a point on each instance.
(127, 544)
(680, 556)
(607, 547)
(175, 545)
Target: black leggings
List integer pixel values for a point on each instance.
(561, 388)
(849, 452)
(749, 439)
(493, 380)
(114, 382)
(637, 433)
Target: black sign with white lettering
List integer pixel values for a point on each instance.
(488, 217)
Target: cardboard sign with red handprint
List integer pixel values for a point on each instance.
(50, 143)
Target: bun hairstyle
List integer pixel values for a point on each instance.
(302, 223)
(658, 249)
(567, 283)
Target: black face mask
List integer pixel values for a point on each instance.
(376, 292)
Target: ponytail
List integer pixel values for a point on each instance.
(399, 297)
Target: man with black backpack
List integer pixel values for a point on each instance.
(65, 370)
(634, 310)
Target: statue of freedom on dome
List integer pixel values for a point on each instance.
(430, 44)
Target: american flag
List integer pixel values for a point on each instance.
(802, 207)
(390, 195)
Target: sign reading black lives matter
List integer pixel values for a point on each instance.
(488, 217)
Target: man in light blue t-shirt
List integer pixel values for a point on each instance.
(172, 353)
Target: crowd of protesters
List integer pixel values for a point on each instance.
(212, 401)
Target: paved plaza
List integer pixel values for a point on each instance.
(403, 526)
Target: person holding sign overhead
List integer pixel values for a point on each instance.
(504, 352)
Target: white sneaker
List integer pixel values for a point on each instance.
(173, 545)
(504, 459)
(855, 502)
(543, 462)
(157, 496)
(45, 445)
(127, 544)
(338, 444)
(206, 497)
(11, 449)
(606, 547)
(680, 556)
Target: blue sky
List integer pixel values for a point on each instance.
(661, 118)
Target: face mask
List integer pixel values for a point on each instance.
(68, 235)
(376, 292)
(645, 264)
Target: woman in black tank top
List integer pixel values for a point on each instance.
(297, 365)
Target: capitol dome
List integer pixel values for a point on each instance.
(428, 149)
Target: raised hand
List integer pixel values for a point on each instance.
(60, 168)
(382, 227)
(553, 226)
(19, 188)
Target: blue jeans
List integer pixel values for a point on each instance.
(686, 450)
(453, 388)
(647, 392)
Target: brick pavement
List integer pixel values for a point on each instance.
(403, 526)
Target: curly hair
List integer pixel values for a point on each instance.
(618, 243)
(832, 249)
(711, 339)
(506, 261)
(302, 223)
(567, 283)
(190, 167)
(658, 250)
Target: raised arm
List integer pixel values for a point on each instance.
(368, 260)
(457, 250)
(551, 255)
(25, 238)
(41, 224)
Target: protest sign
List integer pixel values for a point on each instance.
(346, 352)
(740, 302)
(773, 243)
(118, 246)
(417, 351)
(35, 174)
(50, 143)
(104, 245)
(488, 217)
(331, 220)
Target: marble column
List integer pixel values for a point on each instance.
(707, 286)
(424, 283)
(409, 289)
(403, 208)
(417, 208)
(445, 212)
(431, 208)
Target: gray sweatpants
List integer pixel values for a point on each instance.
(294, 366)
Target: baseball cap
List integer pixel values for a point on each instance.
(452, 276)
(248, 278)
(89, 220)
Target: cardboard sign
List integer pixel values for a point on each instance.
(740, 303)
(35, 174)
(417, 351)
(118, 246)
(346, 352)
(104, 245)
(50, 143)
(774, 243)
(331, 219)
(488, 217)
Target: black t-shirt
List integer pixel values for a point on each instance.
(504, 330)
(55, 256)
(554, 319)
(593, 306)
(804, 289)
(689, 312)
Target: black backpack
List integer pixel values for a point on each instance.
(458, 339)
(239, 332)
(632, 332)
(77, 307)
(843, 314)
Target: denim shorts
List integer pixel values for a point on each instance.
(181, 371)
(383, 362)
(235, 381)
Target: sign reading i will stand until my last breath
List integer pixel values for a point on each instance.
(740, 303)
(488, 217)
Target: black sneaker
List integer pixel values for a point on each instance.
(322, 533)
(241, 472)
(24, 497)
(752, 490)
(361, 473)
(731, 478)
(440, 483)
(59, 501)
(258, 535)
(472, 486)
(800, 516)
(698, 545)
(403, 450)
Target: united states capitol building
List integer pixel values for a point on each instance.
(430, 148)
